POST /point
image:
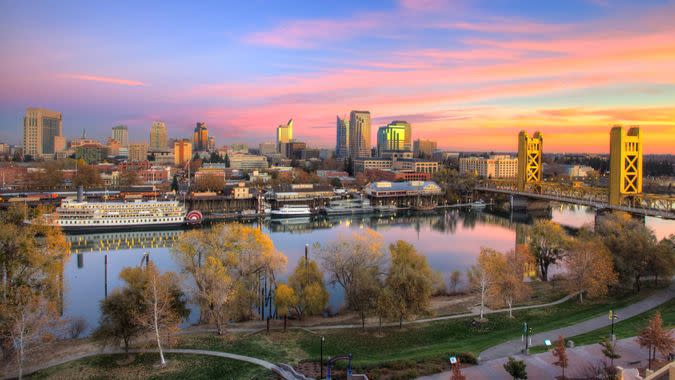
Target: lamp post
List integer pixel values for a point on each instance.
(612, 316)
(321, 361)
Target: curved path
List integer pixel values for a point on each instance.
(395, 324)
(515, 346)
(283, 371)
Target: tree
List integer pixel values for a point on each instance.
(457, 372)
(560, 353)
(87, 176)
(174, 183)
(516, 368)
(129, 178)
(409, 280)
(656, 338)
(284, 299)
(455, 280)
(590, 268)
(162, 307)
(362, 295)
(307, 283)
(355, 263)
(481, 275)
(29, 324)
(217, 291)
(226, 160)
(547, 243)
(209, 182)
(508, 273)
(631, 244)
(609, 350)
(117, 319)
(661, 262)
(245, 251)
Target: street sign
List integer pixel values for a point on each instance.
(453, 360)
(547, 342)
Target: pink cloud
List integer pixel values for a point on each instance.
(505, 26)
(102, 79)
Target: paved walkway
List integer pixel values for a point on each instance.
(515, 346)
(539, 366)
(283, 372)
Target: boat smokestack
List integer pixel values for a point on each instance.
(80, 193)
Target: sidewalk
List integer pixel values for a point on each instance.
(540, 366)
(514, 347)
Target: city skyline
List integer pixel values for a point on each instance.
(469, 76)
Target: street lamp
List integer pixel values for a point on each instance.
(612, 316)
(321, 363)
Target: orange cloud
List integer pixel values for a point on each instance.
(101, 79)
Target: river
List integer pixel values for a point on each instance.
(450, 240)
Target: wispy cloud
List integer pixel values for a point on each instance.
(102, 79)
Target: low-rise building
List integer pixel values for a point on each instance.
(247, 162)
(496, 166)
(138, 152)
(300, 191)
(238, 191)
(396, 175)
(415, 165)
(91, 153)
(365, 163)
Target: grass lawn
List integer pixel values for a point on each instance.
(625, 328)
(418, 343)
(178, 367)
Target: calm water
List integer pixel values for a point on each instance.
(451, 241)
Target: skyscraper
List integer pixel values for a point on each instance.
(342, 138)
(158, 136)
(284, 134)
(200, 139)
(359, 134)
(40, 127)
(120, 134)
(394, 137)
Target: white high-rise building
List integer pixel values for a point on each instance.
(40, 128)
(359, 134)
(342, 138)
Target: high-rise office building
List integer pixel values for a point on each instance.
(394, 137)
(120, 134)
(182, 151)
(40, 127)
(267, 148)
(424, 148)
(158, 136)
(200, 139)
(359, 134)
(342, 138)
(284, 134)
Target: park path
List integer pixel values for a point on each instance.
(540, 366)
(285, 372)
(515, 346)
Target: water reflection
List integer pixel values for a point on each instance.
(449, 239)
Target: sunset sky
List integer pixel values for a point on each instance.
(469, 74)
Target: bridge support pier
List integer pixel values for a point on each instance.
(528, 204)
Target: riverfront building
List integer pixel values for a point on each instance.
(496, 166)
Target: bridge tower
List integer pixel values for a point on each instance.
(529, 159)
(625, 164)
